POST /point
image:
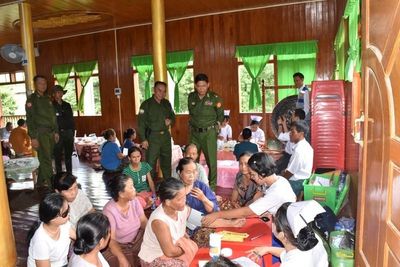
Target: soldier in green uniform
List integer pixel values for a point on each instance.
(206, 114)
(155, 117)
(42, 128)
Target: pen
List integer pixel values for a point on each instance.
(257, 236)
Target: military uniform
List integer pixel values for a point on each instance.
(42, 125)
(204, 115)
(151, 121)
(65, 121)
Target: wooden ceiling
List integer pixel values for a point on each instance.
(112, 14)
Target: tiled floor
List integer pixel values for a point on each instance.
(24, 205)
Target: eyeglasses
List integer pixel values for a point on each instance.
(65, 213)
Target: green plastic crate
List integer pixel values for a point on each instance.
(340, 257)
(326, 195)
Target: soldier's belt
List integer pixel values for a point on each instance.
(45, 130)
(203, 130)
(158, 132)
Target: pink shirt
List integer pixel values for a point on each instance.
(124, 226)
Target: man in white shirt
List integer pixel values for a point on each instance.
(257, 134)
(301, 162)
(303, 99)
(284, 137)
(225, 132)
(6, 131)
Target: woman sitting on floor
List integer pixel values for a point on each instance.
(92, 235)
(127, 220)
(129, 137)
(302, 246)
(79, 203)
(246, 190)
(277, 191)
(140, 172)
(49, 239)
(198, 195)
(164, 242)
(111, 156)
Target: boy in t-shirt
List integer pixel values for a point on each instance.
(141, 176)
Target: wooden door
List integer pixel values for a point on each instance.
(378, 225)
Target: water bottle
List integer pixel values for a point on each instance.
(342, 181)
(215, 245)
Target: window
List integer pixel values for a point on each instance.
(13, 93)
(245, 84)
(186, 86)
(91, 105)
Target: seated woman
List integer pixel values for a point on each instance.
(111, 156)
(92, 235)
(304, 247)
(129, 137)
(79, 203)
(245, 145)
(245, 191)
(277, 191)
(127, 221)
(198, 195)
(140, 173)
(192, 152)
(49, 239)
(164, 242)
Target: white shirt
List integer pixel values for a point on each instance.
(306, 97)
(79, 207)
(301, 161)
(226, 132)
(274, 196)
(285, 137)
(4, 134)
(43, 247)
(257, 136)
(315, 257)
(77, 261)
(151, 249)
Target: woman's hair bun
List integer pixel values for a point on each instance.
(306, 239)
(80, 246)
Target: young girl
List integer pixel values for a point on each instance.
(141, 177)
(92, 235)
(303, 247)
(50, 238)
(111, 156)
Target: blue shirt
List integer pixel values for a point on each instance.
(109, 156)
(196, 204)
(245, 146)
(127, 144)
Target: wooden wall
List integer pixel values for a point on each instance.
(213, 39)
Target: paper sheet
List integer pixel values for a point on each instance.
(194, 219)
(244, 261)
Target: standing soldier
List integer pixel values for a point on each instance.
(65, 121)
(42, 128)
(155, 117)
(206, 114)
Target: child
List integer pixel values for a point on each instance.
(225, 133)
(129, 136)
(140, 174)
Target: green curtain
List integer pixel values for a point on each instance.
(62, 73)
(340, 52)
(177, 63)
(352, 12)
(254, 60)
(292, 57)
(290, 64)
(144, 66)
(84, 70)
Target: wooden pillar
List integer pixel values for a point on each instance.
(8, 256)
(27, 43)
(158, 31)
